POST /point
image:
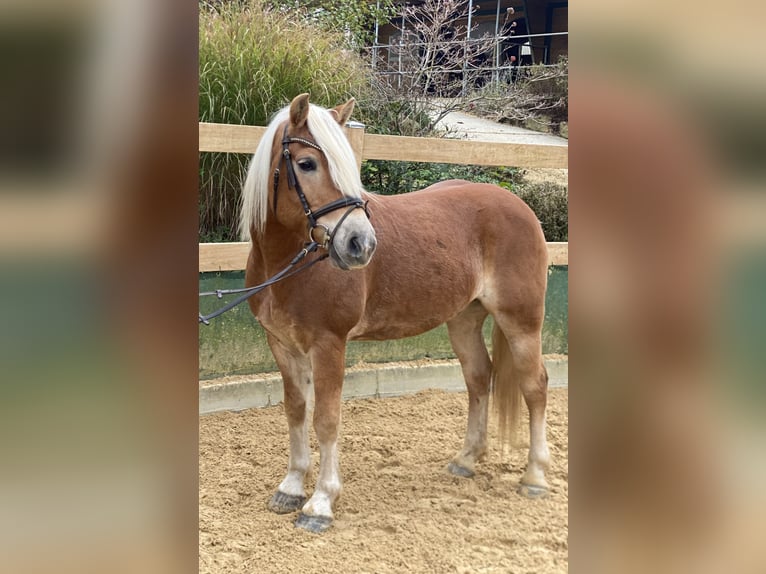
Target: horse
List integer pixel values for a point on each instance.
(452, 253)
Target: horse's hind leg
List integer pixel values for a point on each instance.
(467, 342)
(527, 374)
(534, 387)
(296, 376)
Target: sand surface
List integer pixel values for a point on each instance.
(400, 510)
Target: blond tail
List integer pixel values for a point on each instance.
(506, 392)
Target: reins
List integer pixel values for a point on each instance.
(351, 203)
(248, 292)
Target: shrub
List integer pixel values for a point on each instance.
(394, 177)
(549, 201)
(547, 94)
(538, 97)
(252, 61)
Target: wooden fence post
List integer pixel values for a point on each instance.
(355, 134)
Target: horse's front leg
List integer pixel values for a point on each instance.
(328, 362)
(296, 376)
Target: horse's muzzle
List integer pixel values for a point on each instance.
(355, 251)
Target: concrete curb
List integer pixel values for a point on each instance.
(377, 382)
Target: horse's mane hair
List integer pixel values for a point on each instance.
(328, 134)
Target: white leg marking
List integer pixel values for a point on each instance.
(300, 458)
(300, 452)
(539, 456)
(328, 485)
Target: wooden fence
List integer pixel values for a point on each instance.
(244, 139)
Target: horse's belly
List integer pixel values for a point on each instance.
(408, 315)
(384, 331)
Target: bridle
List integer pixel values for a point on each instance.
(351, 203)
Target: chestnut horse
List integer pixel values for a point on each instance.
(398, 266)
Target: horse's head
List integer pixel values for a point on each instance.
(315, 186)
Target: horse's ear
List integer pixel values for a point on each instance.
(299, 110)
(343, 112)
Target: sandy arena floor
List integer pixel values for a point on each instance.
(400, 510)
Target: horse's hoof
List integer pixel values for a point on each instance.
(458, 470)
(533, 491)
(315, 524)
(282, 503)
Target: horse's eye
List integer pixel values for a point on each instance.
(307, 164)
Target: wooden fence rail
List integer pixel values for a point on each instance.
(233, 256)
(244, 139)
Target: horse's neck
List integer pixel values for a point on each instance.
(279, 245)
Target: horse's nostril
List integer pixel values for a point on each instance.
(354, 246)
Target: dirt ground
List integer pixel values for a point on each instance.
(400, 510)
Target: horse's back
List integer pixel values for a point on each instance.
(481, 219)
(458, 196)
